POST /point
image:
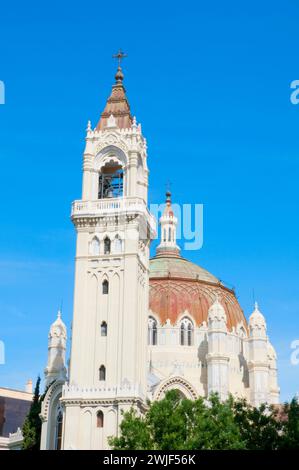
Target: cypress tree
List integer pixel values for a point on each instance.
(32, 425)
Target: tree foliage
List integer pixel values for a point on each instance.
(260, 427)
(176, 423)
(32, 425)
(290, 437)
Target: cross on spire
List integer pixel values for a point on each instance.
(120, 55)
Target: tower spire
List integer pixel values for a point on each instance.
(117, 104)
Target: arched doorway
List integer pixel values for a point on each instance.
(185, 389)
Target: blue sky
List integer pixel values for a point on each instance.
(210, 83)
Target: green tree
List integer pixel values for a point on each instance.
(215, 426)
(134, 433)
(176, 423)
(260, 427)
(290, 437)
(170, 421)
(32, 425)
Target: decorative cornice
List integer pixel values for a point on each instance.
(83, 402)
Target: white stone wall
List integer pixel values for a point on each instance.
(127, 223)
(230, 366)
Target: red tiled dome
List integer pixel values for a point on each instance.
(177, 285)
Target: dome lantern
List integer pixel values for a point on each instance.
(168, 223)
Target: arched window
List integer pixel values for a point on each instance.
(104, 329)
(102, 373)
(164, 235)
(58, 429)
(100, 419)
(111, 181)
(169, 234)
(105, 287)
(152, 331)
(95, 247)
(107, 245)
(182, 332)
(117, 244)
(186, 332)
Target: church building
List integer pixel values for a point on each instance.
(140, 326)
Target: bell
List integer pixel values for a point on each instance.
(110, 192)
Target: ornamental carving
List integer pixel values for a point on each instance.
(111, 139)
(176, 383)
(53, 391)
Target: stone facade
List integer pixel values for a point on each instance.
(140, 327)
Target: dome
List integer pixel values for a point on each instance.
(178, 286)
(178, 267)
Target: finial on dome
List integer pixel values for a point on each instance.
(168, 197)
(88, 128)
(120, 55)
(59, 314)
(168, 193)
(119, 76)
(256, 306)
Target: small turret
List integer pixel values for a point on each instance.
(258, 358)
(217, 357)
(56, 368)
(217, 316)
(257, 323)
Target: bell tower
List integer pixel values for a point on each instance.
(114, 227)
